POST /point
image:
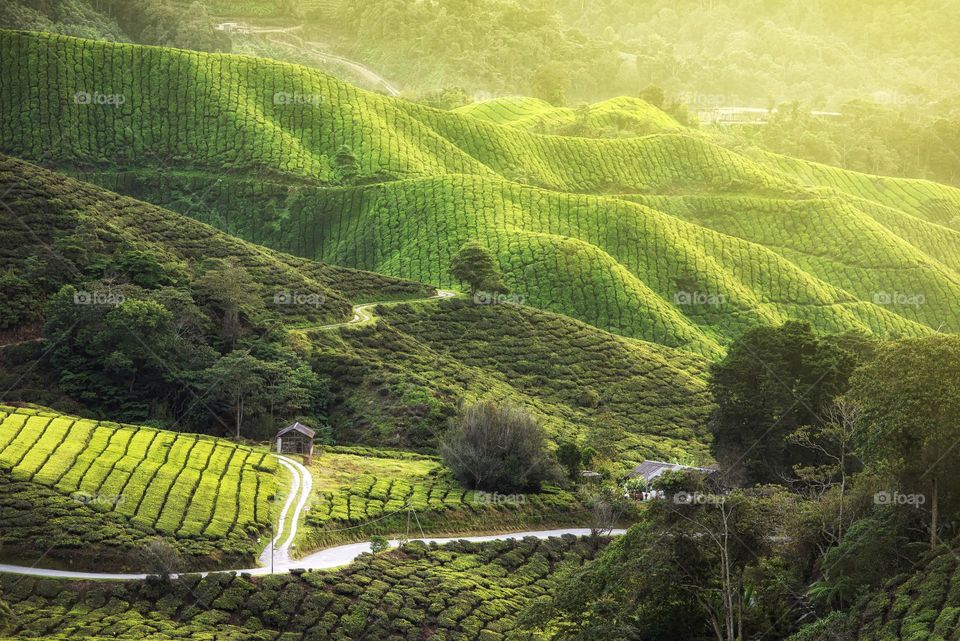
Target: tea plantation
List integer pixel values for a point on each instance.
(667, 237)
(398, 381)
(459, 592)
(363, 491)
(207, 494)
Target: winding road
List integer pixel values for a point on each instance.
(276, 557)
(323, 560)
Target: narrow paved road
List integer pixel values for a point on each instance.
(362, 313)
(301, 485)
(324, 560)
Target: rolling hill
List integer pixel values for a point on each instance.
(677, 240)
(394, 382)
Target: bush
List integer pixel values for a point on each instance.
(498, 448)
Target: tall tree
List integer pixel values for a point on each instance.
(236, 380)
(772, 381)
(910, 427)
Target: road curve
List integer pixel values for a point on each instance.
(323, 560)
(361, 313)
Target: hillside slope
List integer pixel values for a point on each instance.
(566, 216)
(395, 381)
(109, 488)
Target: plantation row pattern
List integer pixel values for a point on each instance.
(184, 485)
(458, 592)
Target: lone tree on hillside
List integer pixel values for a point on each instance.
(473, 264)
(910, 422)
(498, 448)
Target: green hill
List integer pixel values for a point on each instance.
(617, 116)
(394, 382)
(642, 236)
(108, 488)
(397, 382)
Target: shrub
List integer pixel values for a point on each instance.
(498, 448)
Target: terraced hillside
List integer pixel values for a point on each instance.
(364, 491)
(458, 592)
(615, 116)
(203, 494)
(49, 211)
(590, 228)
(398, 381)
(921, 604)
(395, 382)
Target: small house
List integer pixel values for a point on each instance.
(295, 438)
(649, 470)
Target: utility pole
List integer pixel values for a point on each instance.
(273, 543)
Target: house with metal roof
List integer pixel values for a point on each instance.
(649, 470)
(295, 438)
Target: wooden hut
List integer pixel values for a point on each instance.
(295, 438)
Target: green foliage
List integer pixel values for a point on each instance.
(498, 448)
(458, 591)
(772, 382)
(474, 264)
(910, 396)
(378, 544)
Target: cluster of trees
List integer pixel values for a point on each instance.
(835, 476)
(202, 352)
(167, 23)
(870, 137)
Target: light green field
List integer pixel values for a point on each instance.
(364, 491)
(182, 485)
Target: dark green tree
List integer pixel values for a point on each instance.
(498, 448)
(772, 381)
(474, 264)
(910, 423)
